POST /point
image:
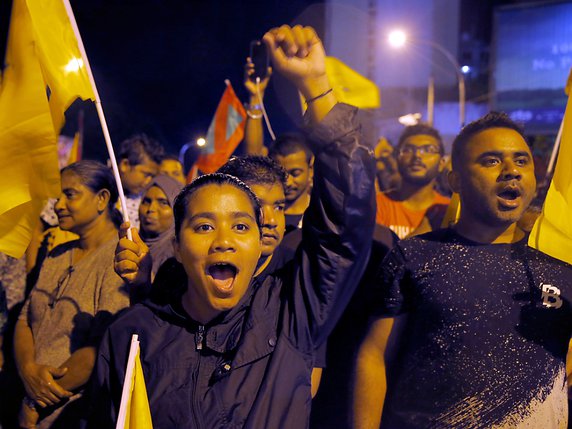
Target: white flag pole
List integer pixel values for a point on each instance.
(127, 382)
(99, 108)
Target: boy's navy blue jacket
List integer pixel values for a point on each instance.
(252, 367)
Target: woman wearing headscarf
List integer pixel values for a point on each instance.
(157, 224)
(72, 303)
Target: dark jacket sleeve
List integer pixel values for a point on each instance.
(107, 382)
(337, 228)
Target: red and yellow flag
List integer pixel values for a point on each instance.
(225, 132)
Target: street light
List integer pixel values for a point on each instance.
(398, 39)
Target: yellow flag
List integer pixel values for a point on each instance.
(138, 414)
(64, 71)
(350, 87)
(29, 124)
(29, 161)
(453, 211)
(552, 231)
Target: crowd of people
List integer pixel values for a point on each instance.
(318, 281)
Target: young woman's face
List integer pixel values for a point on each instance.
(77, 206)
(219, 246)
(155, 212)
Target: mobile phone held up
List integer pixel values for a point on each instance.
(259, 57)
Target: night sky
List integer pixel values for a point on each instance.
(160, 65)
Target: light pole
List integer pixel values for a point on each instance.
(398, 39)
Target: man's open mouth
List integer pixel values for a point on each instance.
(509, 197)
(223, 275)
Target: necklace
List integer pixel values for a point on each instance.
(62, 283)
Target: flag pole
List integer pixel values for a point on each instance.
(100, 113)
(127, 382)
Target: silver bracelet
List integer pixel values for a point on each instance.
(254, 115)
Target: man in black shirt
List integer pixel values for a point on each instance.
(292, 153)
(473, 325)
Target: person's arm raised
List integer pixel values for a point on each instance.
(338, 224)
(253, 129)
(299, 55)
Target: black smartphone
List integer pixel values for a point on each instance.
(259, 57)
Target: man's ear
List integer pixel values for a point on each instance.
(124, 165)
(442, 164)
(454, 180)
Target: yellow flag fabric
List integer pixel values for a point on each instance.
(138, 414)
(76, 149)
(552, 231)
(350, 87)
(59, 55)
(453, 211)
(28, 127)
(29, 161)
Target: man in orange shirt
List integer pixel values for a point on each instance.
(420, 160)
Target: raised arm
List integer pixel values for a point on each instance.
(338, 224)
(299, 55)
(253, 129)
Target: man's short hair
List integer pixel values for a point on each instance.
(256, 170)
(170, 157)
(289, 143)
(137, 147)
(182, 200)
(490, 120)
(421, 129)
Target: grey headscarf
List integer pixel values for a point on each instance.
(161, 247)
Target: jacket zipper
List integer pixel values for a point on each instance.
(199, 338)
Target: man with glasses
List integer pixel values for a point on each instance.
(419, 160)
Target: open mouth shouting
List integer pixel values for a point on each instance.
(509, 197)
(222, 275)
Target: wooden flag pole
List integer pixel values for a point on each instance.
(100, 113)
